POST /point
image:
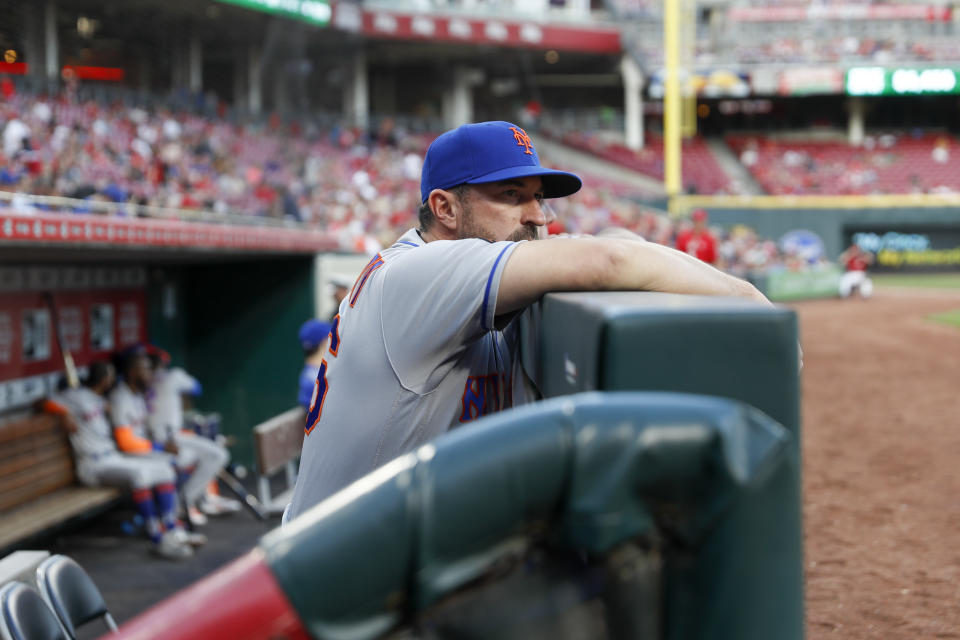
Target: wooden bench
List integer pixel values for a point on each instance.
(278, 442)
(38, 485)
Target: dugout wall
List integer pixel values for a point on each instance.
(234, 327)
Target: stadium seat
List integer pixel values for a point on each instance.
(71, 594)
(25, 616)
(701, 171)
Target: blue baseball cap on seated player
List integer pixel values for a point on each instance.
(489, 152)
(313, 333)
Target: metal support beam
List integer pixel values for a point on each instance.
(254, 80)
(51, 55)
(357, 91)
(632, 101)
(195, 62)
(671, 101)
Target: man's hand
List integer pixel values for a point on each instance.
(171, 447)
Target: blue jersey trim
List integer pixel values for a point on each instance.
(486, 293)
(412, 244)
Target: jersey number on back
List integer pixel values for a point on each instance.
(320, 386)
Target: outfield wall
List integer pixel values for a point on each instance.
(906, 233)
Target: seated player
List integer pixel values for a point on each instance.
(151, 478)
(165, 423)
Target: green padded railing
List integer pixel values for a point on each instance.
(725, 347)
(590, 472)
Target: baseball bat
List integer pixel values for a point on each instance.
(73, 380)
(246, 498)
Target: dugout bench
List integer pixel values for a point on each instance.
(38, 485)
(278, 442)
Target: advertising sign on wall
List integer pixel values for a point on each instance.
(805, 81)
(311, 11)
(714, 83)
(880, 81)
(780, 286)
(909, 249)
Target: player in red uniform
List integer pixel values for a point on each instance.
(698, 241)
(856, 261)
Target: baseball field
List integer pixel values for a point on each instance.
(881, 396)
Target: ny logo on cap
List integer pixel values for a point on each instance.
(523, 140)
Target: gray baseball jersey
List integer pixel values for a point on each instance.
(413, 353)
(98, 461)
(129, 409)
(166, 407)
(94, 435)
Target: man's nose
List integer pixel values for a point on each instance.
(534, 213)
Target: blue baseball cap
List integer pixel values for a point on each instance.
(313, 333)
(488, 152)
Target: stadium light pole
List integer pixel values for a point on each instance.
(671, 103)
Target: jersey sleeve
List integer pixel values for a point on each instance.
(435, 300)
(123, 411)
(183, 382)
(56, 406)
(129, 442)
(710, 249)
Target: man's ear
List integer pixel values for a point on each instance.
(445, 206)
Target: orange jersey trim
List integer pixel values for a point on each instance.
(129, 442)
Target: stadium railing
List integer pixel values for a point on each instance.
(125, 209)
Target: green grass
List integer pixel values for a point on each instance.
(947, 317)
(919, 280)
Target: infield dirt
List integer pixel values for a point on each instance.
(881, 440)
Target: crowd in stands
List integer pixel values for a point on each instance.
(639, 8)
(813, 50)
(523, 7)
(700, 170)
(841, 49)
(890, 163)
(884, 164)
(361, 187)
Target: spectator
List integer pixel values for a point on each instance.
(16, 136)
(698, 241)
(941, 151)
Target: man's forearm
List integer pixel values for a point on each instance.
(716, 281)
(612, 264)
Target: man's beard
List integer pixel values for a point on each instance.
(470, 228)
